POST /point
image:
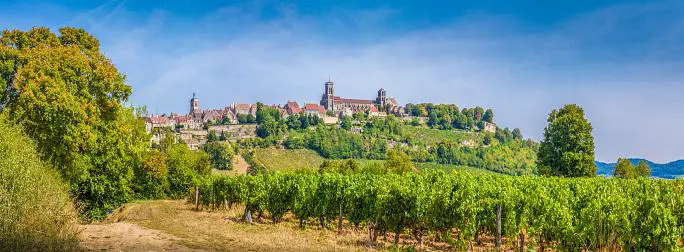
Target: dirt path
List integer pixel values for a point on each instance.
(122, 236)
(241, 166)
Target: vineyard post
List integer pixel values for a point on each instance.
(196, 198)
(249, 216)
(339, 220)
(498, 227)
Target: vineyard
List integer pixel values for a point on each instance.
(460, 208)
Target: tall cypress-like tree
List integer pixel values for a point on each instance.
(488, 116)
(568, 146)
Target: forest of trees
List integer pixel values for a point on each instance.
(448, 116)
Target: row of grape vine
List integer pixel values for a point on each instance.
(566, 214)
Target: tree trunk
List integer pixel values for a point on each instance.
(339, 220)
(370, 233)
(196, 199)
(477, 237)
(321, 219)
(396, 239)
(521, 239)
(301, 223)
(498, 227)
(373, 233)
(225, 204)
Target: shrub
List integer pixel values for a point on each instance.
(151, 178)
(36, 212)
(184, 166)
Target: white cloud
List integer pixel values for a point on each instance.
(631, 93)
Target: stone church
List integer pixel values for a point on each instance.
(338, 104)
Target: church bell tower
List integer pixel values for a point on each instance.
(328, 100)
(382, 98)
(194, 106)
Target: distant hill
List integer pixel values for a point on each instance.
(670, 170)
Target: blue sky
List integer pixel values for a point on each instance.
(623, 61)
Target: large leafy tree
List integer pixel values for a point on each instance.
(568, 146)
(624, 169)
(221, 154)
(70, 99)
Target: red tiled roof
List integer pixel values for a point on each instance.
(181, 119)
(337, 99)
(311, 107)
(157, 119)
(243, 106)
(293, 107)
(212, 115)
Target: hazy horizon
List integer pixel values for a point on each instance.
(622, 61)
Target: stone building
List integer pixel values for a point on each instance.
(338, 104)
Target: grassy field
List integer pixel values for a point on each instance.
(287, 160)
(427, 136)
(174, 226)
(290, 160)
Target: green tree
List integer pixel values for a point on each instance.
(221, 154)
(642, 169)
(293, 122)
(568, 146)
(346, 122)
(488, 116)
(70, 99)
(398, 161)
(478, 113)
(169, 139)
(624, 169)
(516, 134)
(184, 166)
(211, 137)
(151, 178)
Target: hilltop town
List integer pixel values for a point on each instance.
(238, 120)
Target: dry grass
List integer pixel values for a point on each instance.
(36, 213)
(223, 230)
